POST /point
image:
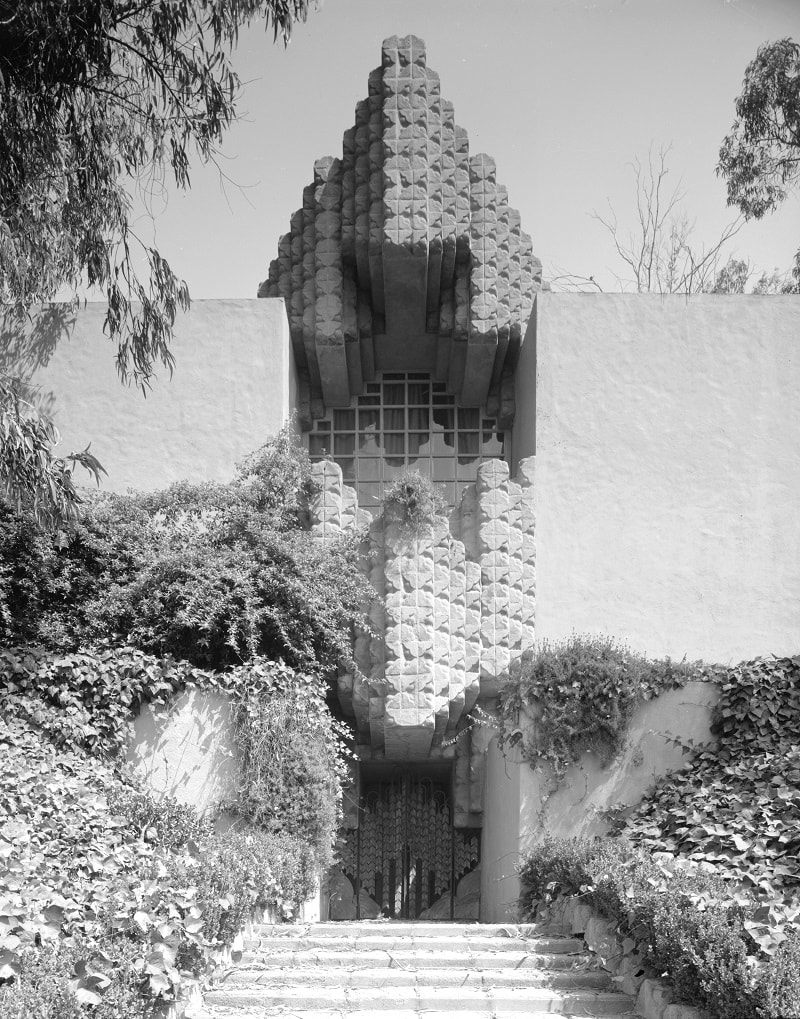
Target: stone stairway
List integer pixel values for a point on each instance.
(377, 969)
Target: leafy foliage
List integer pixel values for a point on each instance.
(736, 808)
(760, 157)
(418, 500)
(690, 925)
(95, 98)
(216, 574)
(735, 275)
(293, 762)
(564, 698)
(31, 477)
(87, 701)
(137, 897)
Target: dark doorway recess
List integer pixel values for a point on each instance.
(405, 854)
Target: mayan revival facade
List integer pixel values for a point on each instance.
(408, 283)
(405, 255)
(403, 324)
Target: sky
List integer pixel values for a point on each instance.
(563, 94)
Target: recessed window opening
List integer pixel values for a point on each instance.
(405, 421)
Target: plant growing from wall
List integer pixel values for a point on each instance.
(575, 695)
(419, 501)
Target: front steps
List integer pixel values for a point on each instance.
(379, 969)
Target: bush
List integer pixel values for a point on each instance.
(49, 986)
(214, 574)
(738, 801)
(164, 822)
(581, 693)
(692, 926)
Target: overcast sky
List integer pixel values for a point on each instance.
(562, 93)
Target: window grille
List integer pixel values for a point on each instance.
(405, 421)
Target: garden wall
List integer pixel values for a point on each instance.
(667, 441)
(187, 750)
(233, 386)
(522, 805)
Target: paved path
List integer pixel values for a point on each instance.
(378, 969)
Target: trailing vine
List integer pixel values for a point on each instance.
(579, 694)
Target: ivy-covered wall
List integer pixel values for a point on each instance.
(521, 804)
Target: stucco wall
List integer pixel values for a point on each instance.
(667, 441)
(522, 805)
(233, 386)
(187, 750)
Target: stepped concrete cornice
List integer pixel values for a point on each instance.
(405, 254)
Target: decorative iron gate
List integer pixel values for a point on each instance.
(405, 854)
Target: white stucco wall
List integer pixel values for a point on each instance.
(522, 805)
(234, 384)
(667, 441)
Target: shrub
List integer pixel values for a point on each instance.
(738, 802)
(418, 499)
(692, 926)
(164, 822)
(214, 574)
(49, 984)
(582, 693)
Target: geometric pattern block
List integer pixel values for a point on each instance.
(405, 236)
(451, 610)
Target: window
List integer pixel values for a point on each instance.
(406, 421)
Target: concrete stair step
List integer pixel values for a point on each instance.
(221, 1012)
(275, 979)
(419, 999)
(400, 928)
(431, 943)
(423, 958)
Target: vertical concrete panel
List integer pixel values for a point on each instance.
(234, 385)
(493, 549)
(325, 504)
(668, 470)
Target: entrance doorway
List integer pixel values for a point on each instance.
(405, 854)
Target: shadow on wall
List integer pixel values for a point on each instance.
(27, 342)
(187, 750)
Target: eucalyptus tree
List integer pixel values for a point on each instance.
(99, 98)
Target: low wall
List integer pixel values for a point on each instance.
(522, 805)
(187, 751)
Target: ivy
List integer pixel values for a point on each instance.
(576, 695)
(691, 926)
(735, 808)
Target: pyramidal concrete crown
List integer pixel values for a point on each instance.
(405, 254)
